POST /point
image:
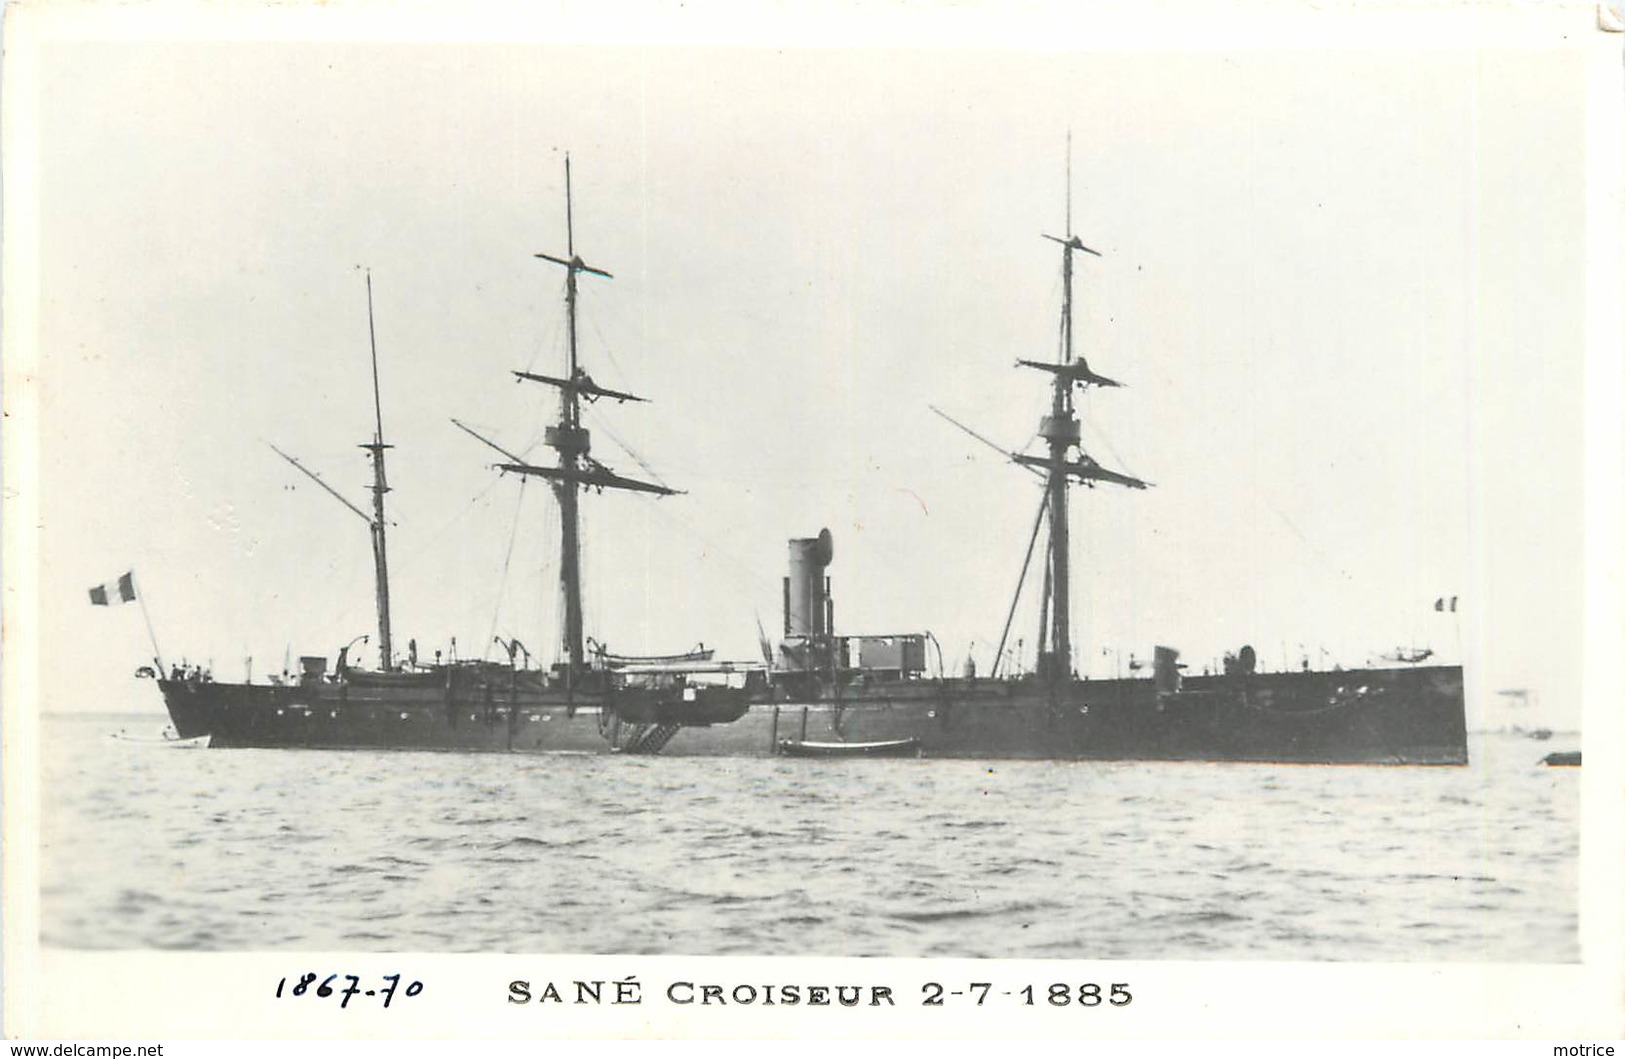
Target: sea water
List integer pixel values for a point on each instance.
(149, 846)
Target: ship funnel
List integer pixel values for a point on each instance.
(806, 590)
(1165, 670)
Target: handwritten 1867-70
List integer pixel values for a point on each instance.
(352, 987)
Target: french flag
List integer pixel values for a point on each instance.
(120, 591)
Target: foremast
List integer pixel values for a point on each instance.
(380, 486)
(1062, 434)
(575, 468)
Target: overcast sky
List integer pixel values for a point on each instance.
(1343, 289)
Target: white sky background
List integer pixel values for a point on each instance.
(1344, 289)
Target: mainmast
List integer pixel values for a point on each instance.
(572, 443)
(575, 467)
(1061, 432)
(380, 486)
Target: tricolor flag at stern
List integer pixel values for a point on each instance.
(120, 591)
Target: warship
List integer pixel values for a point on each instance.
(819, 692)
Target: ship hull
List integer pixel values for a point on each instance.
(1372, 716)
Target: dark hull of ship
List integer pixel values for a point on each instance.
(1412, 715)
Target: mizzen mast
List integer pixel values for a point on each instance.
(380, 485)
(1061, 432)
(575, 468)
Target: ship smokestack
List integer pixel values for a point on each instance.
(806, 597)
(809, 614)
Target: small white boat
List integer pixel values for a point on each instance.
(888, 748)
(167, 737)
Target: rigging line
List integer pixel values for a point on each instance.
(537, 436)
(1054, 295)
(343, 613)
(550, 340)
(523, 455)
(507, 559)
(535, 589)
(558, 654)
(1060, 337)
(998, 658)
(1269, 501)
(599, 424)
(523, 451)
(1049, 595)
(586, 566)
(1054, 298)
(603, 344)
(754, 578)
(434, 538)
(989, 442)
(1096, 430)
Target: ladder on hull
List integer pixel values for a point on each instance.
(649, 738)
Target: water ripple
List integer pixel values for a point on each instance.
(248, 850)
